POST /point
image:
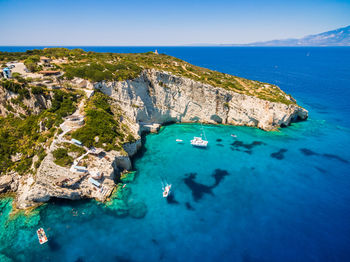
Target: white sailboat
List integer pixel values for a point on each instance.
(198, 141)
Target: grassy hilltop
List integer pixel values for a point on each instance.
(113, 66)
(26, 135)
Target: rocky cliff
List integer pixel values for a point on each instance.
(161, 97)
(153, 98)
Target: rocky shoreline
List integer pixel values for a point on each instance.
(147, 102)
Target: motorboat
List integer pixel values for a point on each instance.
(166, 190)
(41, 236)
(179, 140)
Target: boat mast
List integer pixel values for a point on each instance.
(205, 137)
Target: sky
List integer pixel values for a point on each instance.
(155, 22)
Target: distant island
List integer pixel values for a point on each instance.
(70, 120)
(337, 37)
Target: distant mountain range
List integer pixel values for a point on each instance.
(337, 37)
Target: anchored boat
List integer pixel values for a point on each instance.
(198, 141)
(41, 236)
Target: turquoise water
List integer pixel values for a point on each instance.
(263, 196)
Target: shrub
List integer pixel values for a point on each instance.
(61, 157)
(37, 90)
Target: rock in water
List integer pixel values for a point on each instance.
(138, 210)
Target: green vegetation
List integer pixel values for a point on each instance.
(31, 63)
(62, 158)
(20, 135)
(99, 71)
(103, 122)
(78, 150)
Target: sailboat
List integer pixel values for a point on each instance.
(198, 141)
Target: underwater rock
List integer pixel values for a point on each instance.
(128, 177)
(237, 144)
(121, 192)
(308, 152)
(336, 157)
(280, 154)
(119, 207)
(138, 210)
(4, 258)
(171, 199)
(198, 189)
(218, 175)
(189, 206)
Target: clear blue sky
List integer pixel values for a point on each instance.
(135, 22)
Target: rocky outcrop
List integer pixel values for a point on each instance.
(53, 181)
(160, 97)
(9, 103)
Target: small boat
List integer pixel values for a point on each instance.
(41, 236)
(233, 135)
(166, 190)
(198, 141)
(179, 140)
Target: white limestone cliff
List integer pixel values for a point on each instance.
(160, 97)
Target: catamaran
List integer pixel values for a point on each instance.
(41, 236)
(198, 141)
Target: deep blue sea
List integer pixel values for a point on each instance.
(259, 197)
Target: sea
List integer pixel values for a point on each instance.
(254, 197)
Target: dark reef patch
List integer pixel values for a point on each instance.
(198, 189)
(138, 210)
(122, 259)
(309, 152)
(321, 170)
(54, 245)
(219, 175)
(171, 199)
(189, 206)
(331, 156)
(155, 241)
(280, 154)
(240, 144)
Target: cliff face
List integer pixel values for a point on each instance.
(11, 103)
(160, 97)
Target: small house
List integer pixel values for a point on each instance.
(80, 169)
(77, 142)
(45, 60)
(94, 182)
(7, 72)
